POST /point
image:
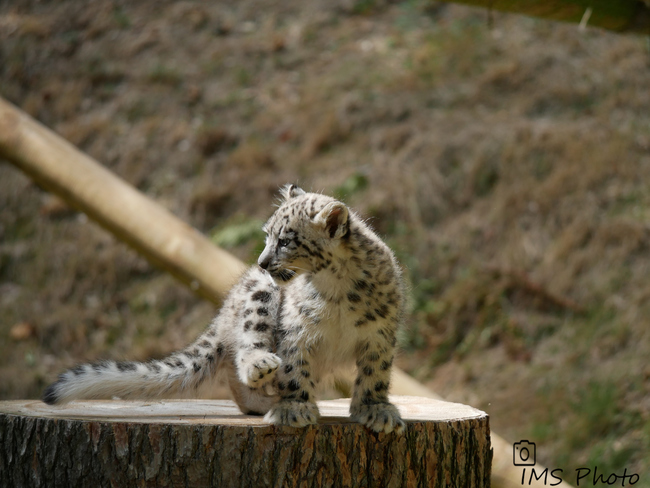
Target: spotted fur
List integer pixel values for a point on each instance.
(327, 293)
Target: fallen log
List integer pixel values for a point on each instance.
(195, 443)
(159, 236)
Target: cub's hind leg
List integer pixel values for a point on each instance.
(252, 401)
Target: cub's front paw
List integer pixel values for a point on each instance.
(380, 417)
(295, 414)
(257, 368)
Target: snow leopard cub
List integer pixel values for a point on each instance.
(327, 292)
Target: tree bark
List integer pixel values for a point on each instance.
(196, 443)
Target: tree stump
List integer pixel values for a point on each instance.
(196, 443)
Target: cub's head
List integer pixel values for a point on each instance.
(303, 234)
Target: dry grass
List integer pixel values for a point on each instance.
(508, 167)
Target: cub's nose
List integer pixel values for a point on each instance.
(263, 262)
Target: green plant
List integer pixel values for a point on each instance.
(353, 184)
(239, 231)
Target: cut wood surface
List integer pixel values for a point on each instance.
(210, 443)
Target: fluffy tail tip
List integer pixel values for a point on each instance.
(49, 395)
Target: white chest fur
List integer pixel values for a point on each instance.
(325, 327)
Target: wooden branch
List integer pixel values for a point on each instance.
(208, 443)
(621, 15)
(154, 232)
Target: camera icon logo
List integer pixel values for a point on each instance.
(524, 453)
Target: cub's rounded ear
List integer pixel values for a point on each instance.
(290, 191)
(333, 219)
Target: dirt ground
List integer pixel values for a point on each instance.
(507, 163)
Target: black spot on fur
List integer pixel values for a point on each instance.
(353, 297)
(281, 386)
(247, 312)
(174, 363)
(209, 358)
(385, 365)
(368, 371)
(373, 356)
(259, 345)
(154, 367)
(305, 373)
(78, 370)
(360, 285)
(205, 344)
(261, 327)
(294, 385)
(250, 284)
(381, 386)
(262, 311)
(196, 367)
(304, 396)
(262, 296)
(247, 325)
(382, 311)
(288, 368)
(49, 395)
(370, 317)
(220, 349)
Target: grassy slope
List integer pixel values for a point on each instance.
(508, 166)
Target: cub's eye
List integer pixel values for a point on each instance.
(283, 242)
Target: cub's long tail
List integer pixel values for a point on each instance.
(183, 371)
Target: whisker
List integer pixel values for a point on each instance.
(298, 268)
